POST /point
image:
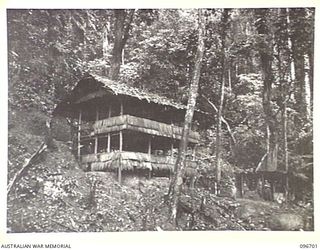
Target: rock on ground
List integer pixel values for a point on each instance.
(286, 222)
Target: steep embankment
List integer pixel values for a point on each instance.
(33, 202)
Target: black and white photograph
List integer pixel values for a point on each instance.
(160, 119)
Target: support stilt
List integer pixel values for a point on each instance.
(79, 134)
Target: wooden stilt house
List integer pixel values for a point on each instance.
(121, 128)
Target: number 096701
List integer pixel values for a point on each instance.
(308, 246)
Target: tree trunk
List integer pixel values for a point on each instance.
(117, 47)
(233, 139)
(296, 19)
(311, 77)
(284, 68)
(229, 78)
(106, 42)
(298, 61)
(292, 66)
(218, 138)
(266, 56)
(285, 147)
(176, 182)
(224, 21)
(307, 86)
(121, 35)
(291, 78)
(52, 62)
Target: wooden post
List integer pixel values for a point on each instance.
(96, 144)
(150, 171)
(149, 153)
(120, 134)
(120, 150)
(119, 170)
(194, 153)
(108, 143)
(109, 113)
(120, 146)
(120, 141)
(172, 149)
(21, 221)
(121, 107)
(241, 185)
(96, 137)
(97, 114)
(229, 77)
(272, 187)
(109, 139)
(79, 134)
(172, 142)
(170, 176)
(149, 146)
(286, 186)
(262, 187)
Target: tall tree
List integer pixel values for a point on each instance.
(122, 25)
(285, 72)
(302, 51)
(224, 25)
(266, 57)
(176, 183)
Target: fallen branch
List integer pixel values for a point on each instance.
(65, 226)
(223, 120)
(70, 205)
(25, 167)
(208, 209)
(226, 210)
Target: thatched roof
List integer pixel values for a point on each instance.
(123, 89)
(96, 86)
(93, 86)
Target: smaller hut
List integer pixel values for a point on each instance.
(269, 179)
